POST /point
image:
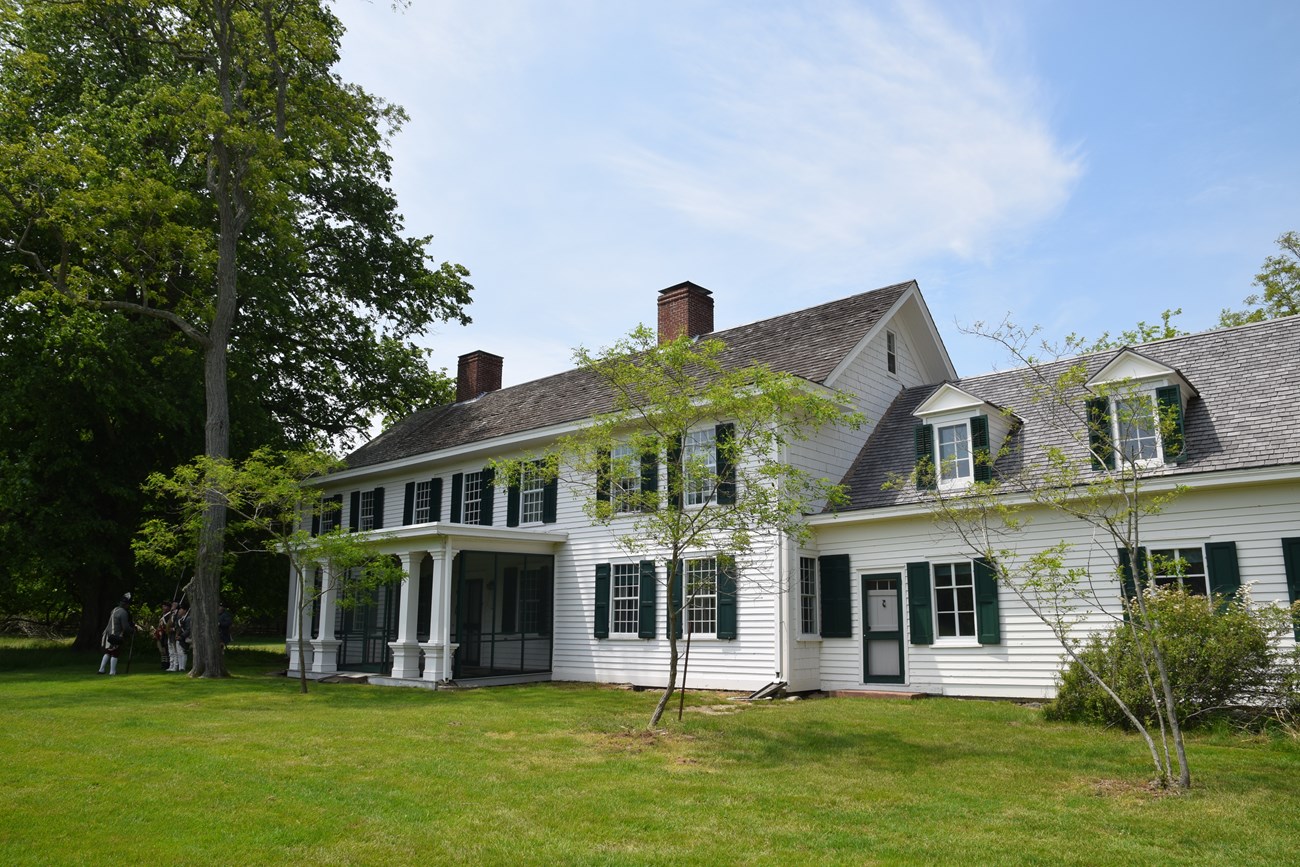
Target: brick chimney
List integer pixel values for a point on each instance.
(477, 373)
(685, 309)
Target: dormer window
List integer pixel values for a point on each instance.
(1137, 415)
(954, 465)
(958, 438)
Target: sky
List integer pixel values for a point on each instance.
(1077, 166)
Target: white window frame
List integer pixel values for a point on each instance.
(471, 498)
(1147, 396)
(366, 511)
(959, 479)
(700, 606)
(528, 611)
(627, 604)
(968, 582)
(532, 495)
(330, 517)
(422, 512)
(891, 353)
(699, 490)
(624, 488)
(809, 598)
(1179, 551)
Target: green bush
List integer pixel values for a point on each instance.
(1222, 655)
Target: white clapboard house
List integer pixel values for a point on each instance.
(515, 584)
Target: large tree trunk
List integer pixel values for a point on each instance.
(95, 607)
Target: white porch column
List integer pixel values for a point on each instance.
(291, 640)
(438, 650)
(406, 652)
(325, 649)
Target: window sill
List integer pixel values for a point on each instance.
(625, 636)
(956, 643)
(816, 638)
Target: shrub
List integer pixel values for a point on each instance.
(1223, 657)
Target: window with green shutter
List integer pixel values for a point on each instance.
(1291, 564)
(920, 613)
(837, 598)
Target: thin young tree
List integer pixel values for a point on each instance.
(1079, 473)
(274, 508)
(721, 435)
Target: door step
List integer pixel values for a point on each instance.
(876, 693)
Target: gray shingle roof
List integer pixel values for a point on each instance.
(806, 343)
(1247, 414)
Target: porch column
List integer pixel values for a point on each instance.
(325, 649)
(406, 653)
(438, 650)
(291, 640)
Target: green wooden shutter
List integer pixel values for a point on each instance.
(836, 596)
(550, 501)
(1291, 564)
(602, 601)
(986, 602)
(1130, 581)
(487, 496)
(1169, 403)
(726, 597)
(408, 504)
(926, 473)
(650, 473)
(315, 525)
(379, 508)
(646, 601)
(1221, 568)
(920, 612)
(979, 446)
(724, 438)
(675, 473)
(602, 475)
(1100, 444)
(354, 516)
(457, 495)
(512, 506)
(677, 598)
(435, 499)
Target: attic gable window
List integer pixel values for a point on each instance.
(891, 352)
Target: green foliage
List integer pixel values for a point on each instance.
(1141, 333)
(1280, 281)
(1223, 657)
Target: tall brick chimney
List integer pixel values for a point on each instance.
(478, 372)
(685, 309)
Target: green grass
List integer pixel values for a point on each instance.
(159, 768)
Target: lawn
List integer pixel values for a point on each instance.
(154, 767)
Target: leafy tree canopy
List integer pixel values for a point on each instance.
(1279, 281)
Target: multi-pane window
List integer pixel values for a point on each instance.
(891, 352)
(625, 598)
(1172, 567)
(954, 453)
(1136, 433)
(700, 460)
(954, 600)
(329, 516)
(423, 503)
(532, 494)
(366, 513)
(702, 596)
(625, 478)
(472, 498)
(808, 596)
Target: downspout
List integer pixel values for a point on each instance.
(782, 655)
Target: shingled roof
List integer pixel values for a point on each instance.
(1245, 416)
(806, 343)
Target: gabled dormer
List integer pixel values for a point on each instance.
(958, 435)
(1136, 412)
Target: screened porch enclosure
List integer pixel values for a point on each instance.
(501, 606)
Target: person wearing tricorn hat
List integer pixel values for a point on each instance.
(116, 634)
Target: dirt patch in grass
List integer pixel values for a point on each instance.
(1148, 789)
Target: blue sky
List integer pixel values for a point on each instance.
(1079, 166)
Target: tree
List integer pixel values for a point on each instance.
(1080, 473)
(721, 434)
(274, 509)
(1280, 281)
(197, 162)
